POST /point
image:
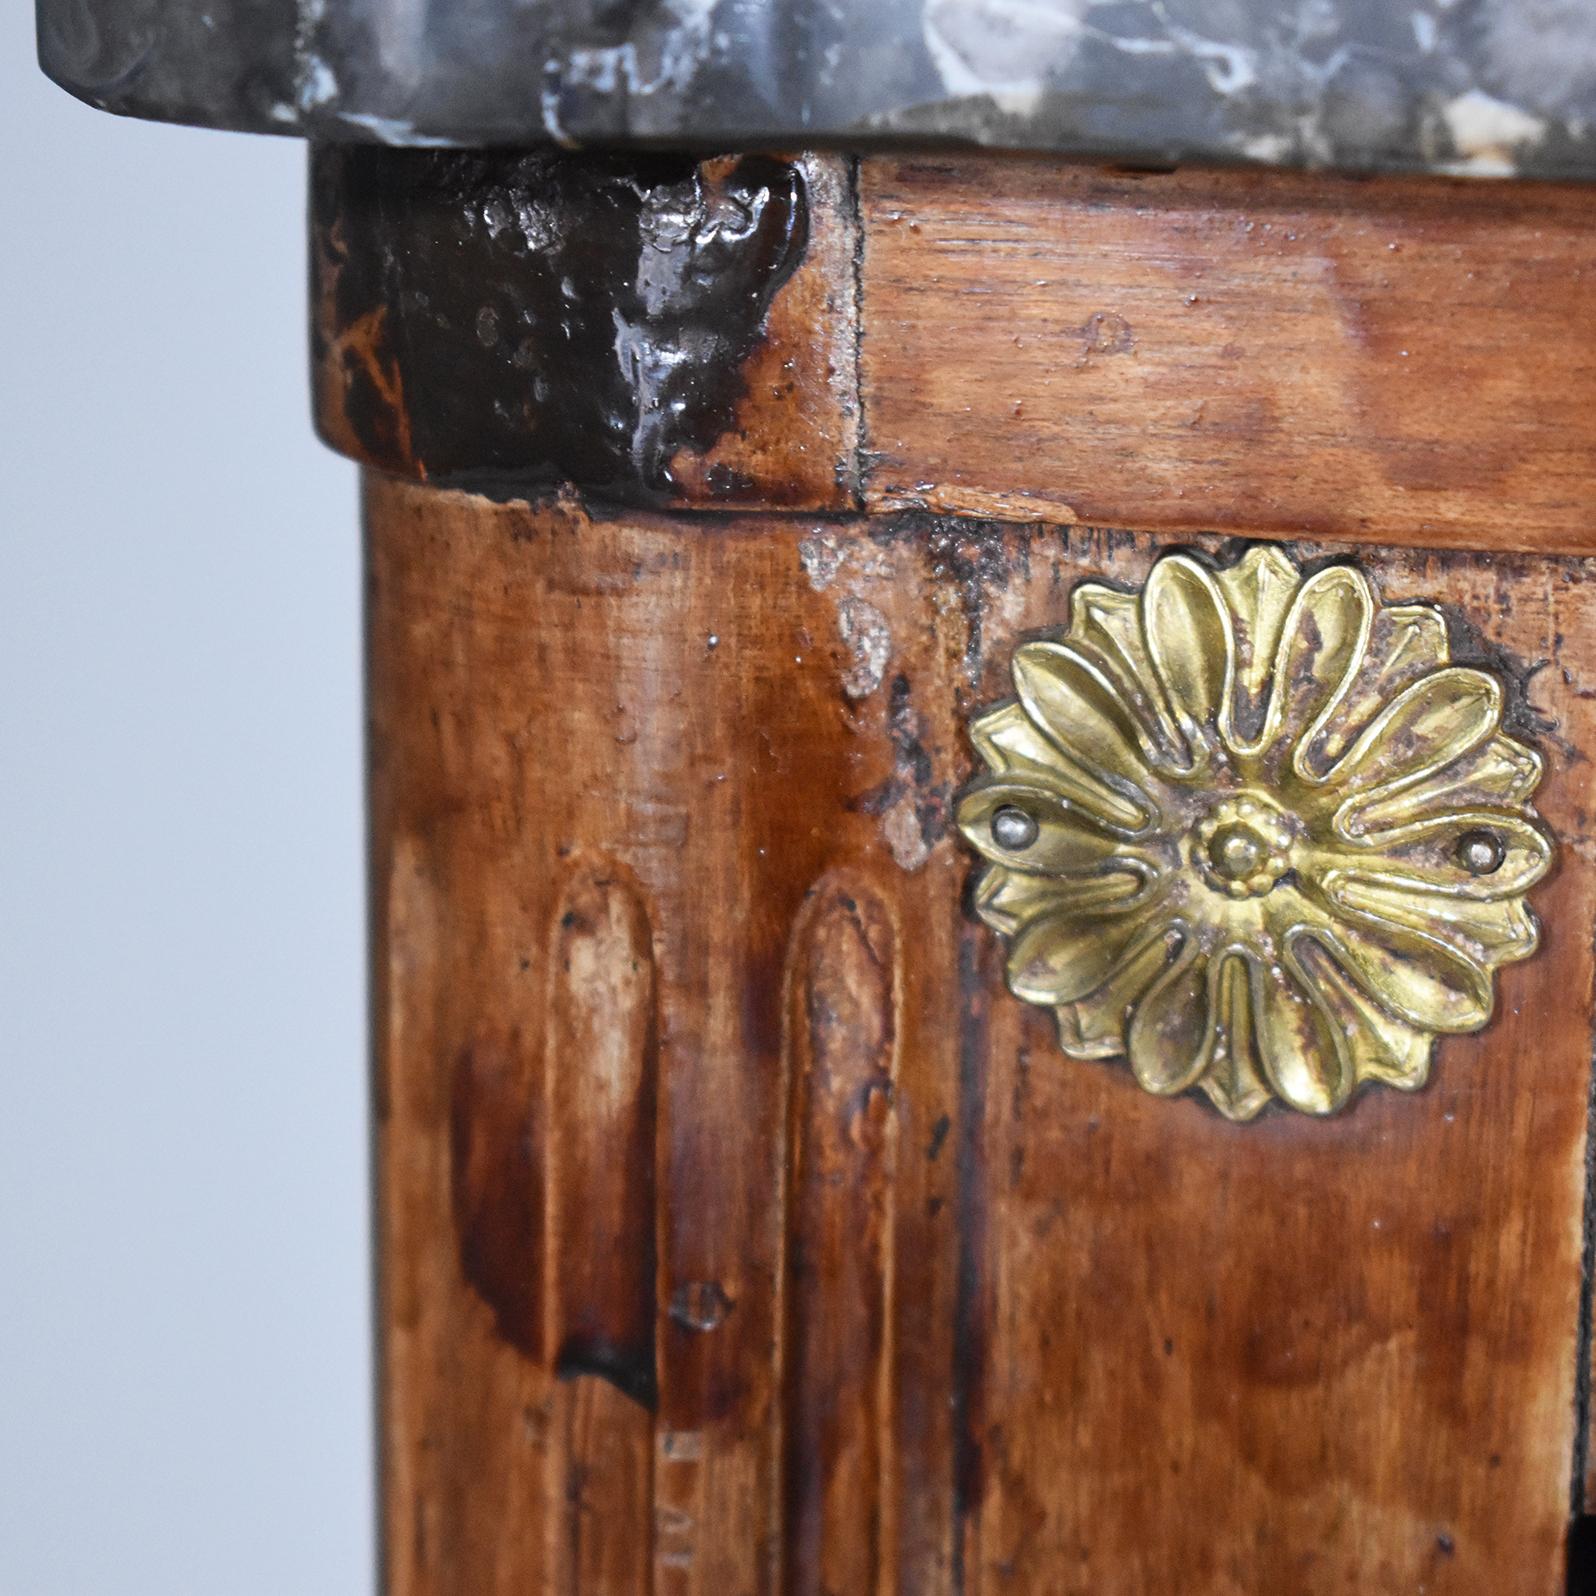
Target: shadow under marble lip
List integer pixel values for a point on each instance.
(1479, 87)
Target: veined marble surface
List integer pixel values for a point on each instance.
(1486, 87)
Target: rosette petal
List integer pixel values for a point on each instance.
(1497, 774)
(1094, 1026)
(1173, 1028)
(1258, 591)
(1067, 840)
(1011, 742)
(1321, 649)
(1486, 931)
(1067, 956)
(1070, 697)
(1406, 643)
(1107, 624)
(1234, 1080)
(1302, 1051)
(1382, 1047)
(1007, 899)
(1412, 973)
(1187, 631)
(1423, 856)
(1420, 733)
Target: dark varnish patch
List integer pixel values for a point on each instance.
(629, 1369)
(553, 317)
(496, 1191)
(1582, 1555)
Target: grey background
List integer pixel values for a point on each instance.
(184, 1363)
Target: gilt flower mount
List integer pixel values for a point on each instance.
(1255, 832)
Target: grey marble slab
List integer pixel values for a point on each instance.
(1483, 87)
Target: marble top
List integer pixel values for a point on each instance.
(1479, 87)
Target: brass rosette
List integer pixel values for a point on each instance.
(1255, 832)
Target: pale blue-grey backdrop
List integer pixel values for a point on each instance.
(184, 1363)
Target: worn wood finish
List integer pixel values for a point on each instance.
(741, 1234)
(1256, 352)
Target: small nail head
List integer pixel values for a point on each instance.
(1013, 829)
(1480, 852)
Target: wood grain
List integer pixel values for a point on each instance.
(600, 1216)
(936, 1310)
(1396, 361)
(531, 676)
(838, 1266)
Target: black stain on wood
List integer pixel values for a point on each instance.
(545, 317)
(1582, 1556)
(913, 775)
(629, 1369)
